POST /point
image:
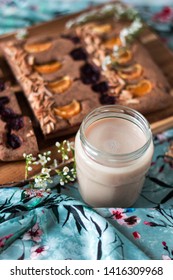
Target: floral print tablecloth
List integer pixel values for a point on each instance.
(35, 224)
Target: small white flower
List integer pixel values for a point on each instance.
(29, 168)
(24, 155)
(70, 146)
(66, 157)
(42, 159)
(40, 184)
(45, 171)
(37, 180)
(69, 24)
(123, 34)
(61, 182)
(55, 162)
(21, 33)
(57, 144)
(65, 170)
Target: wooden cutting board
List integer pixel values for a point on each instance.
(159, 121)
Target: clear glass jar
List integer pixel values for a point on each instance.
(113, 152)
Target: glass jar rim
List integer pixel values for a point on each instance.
(113, 111)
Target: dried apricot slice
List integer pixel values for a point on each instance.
(124, 57)
(140, 89)
(37, 47)
(69, 110)
(100, 29)
(109, 44)
(60, 85)
(48, 68)
(131, 73)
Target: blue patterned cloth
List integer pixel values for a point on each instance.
(40, 225)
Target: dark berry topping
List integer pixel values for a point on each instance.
(15, 123)
(107, 99)
(89, 74)
(13, 141)
(79, 54)
(75, 39)
(2, 85)
(7, 113)
(4, 100)
(101, 87)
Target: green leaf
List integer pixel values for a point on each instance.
(99, 250)
(78, 220)
(81, 209)
(55, 212)
(97, 227)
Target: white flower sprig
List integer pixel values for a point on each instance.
(64, 149)
(67, 173)
(116, 10)
(21, 34)
(29, 161)
(127, 35)
(42, 180)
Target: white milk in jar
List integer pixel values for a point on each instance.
(113, 152)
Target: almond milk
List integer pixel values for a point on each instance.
(113, 152)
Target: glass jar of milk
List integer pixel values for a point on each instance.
(113, 152)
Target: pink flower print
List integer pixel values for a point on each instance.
(164, 243)
(165, 16)
(118, 215)
(2, 239)
(165, 257)
(169, 252)
(34, 233)
(132, 221)
(136, 235)
(38, 250)
(34, 193)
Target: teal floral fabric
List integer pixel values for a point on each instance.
(35, 224)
